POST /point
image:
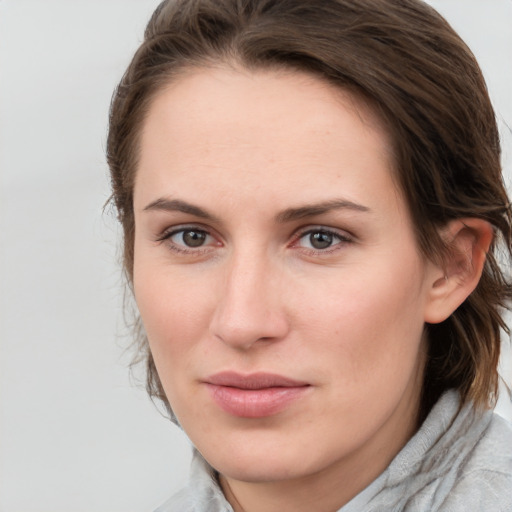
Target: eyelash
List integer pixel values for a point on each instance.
(342, 237)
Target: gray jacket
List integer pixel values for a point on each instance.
(456, 462)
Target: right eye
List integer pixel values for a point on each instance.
(190, 237)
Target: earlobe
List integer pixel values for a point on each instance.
(468, 241)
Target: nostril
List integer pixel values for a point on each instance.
(245, 331)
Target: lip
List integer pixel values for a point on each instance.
(256, 395)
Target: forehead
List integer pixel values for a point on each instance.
(250, 102)
(277, 130)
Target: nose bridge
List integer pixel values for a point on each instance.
(248, 308)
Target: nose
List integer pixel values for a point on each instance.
(250, 307)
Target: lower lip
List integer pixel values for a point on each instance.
(255, 403)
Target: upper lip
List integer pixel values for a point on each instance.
(260, 380)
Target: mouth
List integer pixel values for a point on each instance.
(257, 395)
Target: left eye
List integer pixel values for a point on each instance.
(190, 237)
(320, 239)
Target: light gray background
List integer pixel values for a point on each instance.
(76, 435)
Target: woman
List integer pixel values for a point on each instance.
(312, 202)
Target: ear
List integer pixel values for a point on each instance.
(468, 241)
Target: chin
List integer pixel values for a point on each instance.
(260, 469)
(269, 461)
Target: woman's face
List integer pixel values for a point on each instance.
(277, 275)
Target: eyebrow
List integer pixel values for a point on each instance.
(288, 215)
(291, 214)
(176, 205)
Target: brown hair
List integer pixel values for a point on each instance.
(422, 80)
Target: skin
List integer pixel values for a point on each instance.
(348, 319)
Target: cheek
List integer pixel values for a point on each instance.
(371, 323)
(174, 312)
(174, 309)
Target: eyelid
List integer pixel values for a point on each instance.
(172, 230)
(314, 228)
